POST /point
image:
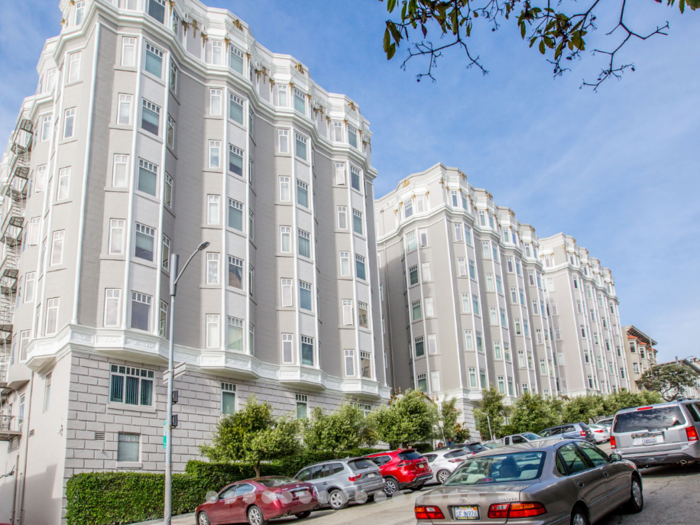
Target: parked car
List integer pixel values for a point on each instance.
(600, 433)
(339, 481)
(525, 437)
(444, 461)
(658, 434)
(258, 500)
(492, 444)
(569, 431)
(606, 422)
(402, 469)
(471, 448)
(565, 482)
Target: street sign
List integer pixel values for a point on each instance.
(178, 371)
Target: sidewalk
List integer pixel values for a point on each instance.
(182, 519)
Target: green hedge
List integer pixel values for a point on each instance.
(117, 498)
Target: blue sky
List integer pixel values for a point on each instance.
(618, 169)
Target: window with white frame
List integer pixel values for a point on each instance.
(469, 340)
(213, 268)
(124, 109)
(489, 282)
(29, 287)
(362, 315)
(494, 316)
(57, 240)
(165, 253)
(342, 217)
(349, 362)
(299, 102)
(235, 160)
(131, 386)
(360, 267)
(234, 334)
(465, 303)
(235, 272)
(163, 320)
(173, 76)
(475, 304)
(150, 117)
(347, 312)
(40, 178)
(117, 229)
(352, 136)
(302, 193)
(217, 52)
(45, 128)
(345, 264)
(461, 267)
(34, 231)
(148, 177)
(215, 102)
(168, 191)
(283, 140)
(141, 311)
(69, 123)
(285, 239)
(472, 269)
(357, 225)
(51, 326)
(128, 51)
(300, 146)
(156, 9)
(154, 60)
(304, 243)
(355, 178)
(235, 215)
(305, 296)
(429, 307)
(286, 292)
(235, 59)
(63, 186)
(287, 348)
(285, 189)
(79, 15)
(228, 398)
(235, 108)
(425, 269)
(458, 232)
(423, 235)
(212, 331)
(213, 207)
(282, 96)
(144, 245)
(307, 350)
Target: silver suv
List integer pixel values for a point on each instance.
(659, 434)
(342, 480)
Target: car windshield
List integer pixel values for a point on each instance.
(651, 419)
(521, 466)
(276, 482)
(359, 464)
(410, 454)
(531, 436)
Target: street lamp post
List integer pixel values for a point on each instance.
(174, 278)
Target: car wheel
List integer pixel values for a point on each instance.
(203, 519)
(636, 502)
(442, 476)
(337, 499)
(391, 486)
(303, 515)
(255, 516)
(579, 517)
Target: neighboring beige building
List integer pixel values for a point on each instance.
(462, 291)
(585, 315)
(641, 354)
(156, 126)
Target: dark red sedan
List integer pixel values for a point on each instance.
(256, 501)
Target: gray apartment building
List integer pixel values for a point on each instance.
(471, 297)
(157, 126)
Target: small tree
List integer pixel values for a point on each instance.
(409, 419)
(669, 380)
(582, 409)
(533, 413)
(490, 418)
(253, 435)
(449, 415)
(340, 431)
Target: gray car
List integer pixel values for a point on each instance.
(658, 434)
(568, 431)
(340, 481)
(537, 483)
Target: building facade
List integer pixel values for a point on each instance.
(462, 291)
(157, 126)
(586, 319)
(641, 354)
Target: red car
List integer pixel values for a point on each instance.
(402, 469)
(259, 500)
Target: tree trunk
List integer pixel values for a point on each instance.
(256, 466)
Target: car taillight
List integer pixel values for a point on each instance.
(429, 513)
(599, 431)
(691, 433)
(644, 408)
(516, 510)
(583, 433)
(355, 478)
(612, 442)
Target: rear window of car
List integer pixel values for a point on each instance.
(502, 468)
(456, 454)
(430, 457)
(652, 419)
(359, 464)
(410, 454)
(476, 448)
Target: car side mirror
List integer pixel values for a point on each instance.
(615, 457)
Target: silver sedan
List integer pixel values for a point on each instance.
(563, 482)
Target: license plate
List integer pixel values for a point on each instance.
(648, 439)
(467, 513)
(371, 475)
(421, 466)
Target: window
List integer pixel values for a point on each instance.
(168, 191)
(458, 232)
(468, 340)
(282, 96)
(51, 317)
(283, 140)
(302, 405)
(455, 198)
(355, 178)
(213, 202)
(29, 284)
(342, 217)
(128, 445)
(251, 282)
(347, 312)
(63, 184)
(228, 398)
(300, 146)
(486, 249)
(40, 178)
(340, 173)
(299, 102)
(217, 52)
(497, 350)
(286, 292)
(235, 59)
(302, 193)
(235, 108)
(163, 320)
(145, 236)
(472, 378)
(128, 52)
(462, 267)
(140, 310)
(360, 267)
(337, 132)
(305, 295)
(472, 269)
(522, 297)
(116, 236)
(349, 363)
(307, 350)
(304, 244)
(475, 304)
(495, 252)
(34, 231)
(285, 195)
(345, 264)
(287, 352)
(124, 109)
(154, 60)
(212, 268)
(494, 316)
(45, 128)
(413, 273)
(535, 307)
(150, 117)
(132, 386)
(362, 315)
(420, 349)
(234, 333)
(156, 8)
(119, 173)
(352, 136)
(489, 282)
(235, 215)
(235, 272)
(47, 392)
(422, 383)
(465, 303)
(416, 310)
(57, 247)
(69, 123)
(212, 331)
(285, 239)
(235, 160)
(173, 77)
(423, 234)
(357, 221)
(503, 318)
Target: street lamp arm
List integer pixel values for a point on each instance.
(201, 247)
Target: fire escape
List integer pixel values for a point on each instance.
(14, 201)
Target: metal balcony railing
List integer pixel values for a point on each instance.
(10, 427)
(6, 322)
